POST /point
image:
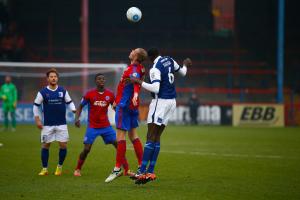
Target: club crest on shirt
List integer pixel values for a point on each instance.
(60, 94)
(134, 74)
(107, 98)
(159, 120)
(152, 75)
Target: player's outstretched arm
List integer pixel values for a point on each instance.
(187, 62)
(151, 87)
(183, 70)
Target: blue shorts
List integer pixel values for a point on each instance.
(126, 119)
(108, 135)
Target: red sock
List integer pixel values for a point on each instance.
(125, 165)
(138, 148)
(79, 164)
(121, 150)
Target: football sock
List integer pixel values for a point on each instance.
(79, 163)
(13, 119)
(62, 156)
(6, 119)
(148, 152)
(138, 148)
(45, 157)
(154, 157)
(121, 150)
(125, 165)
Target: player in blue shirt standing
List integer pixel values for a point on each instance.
(53, 99)
(161, 107)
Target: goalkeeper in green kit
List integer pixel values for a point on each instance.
(8, 95)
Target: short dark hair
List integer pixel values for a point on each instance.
(52, 70)
(153, 52)
(98, 74)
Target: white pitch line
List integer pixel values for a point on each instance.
(226, 154)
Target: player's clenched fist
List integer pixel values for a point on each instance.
(187, 62)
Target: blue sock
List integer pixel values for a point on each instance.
(154, 157)
(62, 156)
(148, 151)
(44, 157)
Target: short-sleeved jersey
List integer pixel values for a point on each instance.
(163, 71)
(98, 103)
(126, 90)
(54, 105)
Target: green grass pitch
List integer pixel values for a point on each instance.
(194, 163)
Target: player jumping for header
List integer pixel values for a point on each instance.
(127, 103)
(161, 107)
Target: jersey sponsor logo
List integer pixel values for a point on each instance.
(60, 94)
(100, 103)
(166, 64)
(54, 101)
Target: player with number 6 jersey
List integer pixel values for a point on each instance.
(161, 108)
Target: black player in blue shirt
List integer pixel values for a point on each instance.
(161, 107)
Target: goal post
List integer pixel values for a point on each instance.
(30, 77)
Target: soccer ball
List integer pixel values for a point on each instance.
(134, 14)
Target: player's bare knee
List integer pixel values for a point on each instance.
(151, 137)
(86, 151)
(63, 145)
(87, 148)
(132, 134)
(46, 145)
(132, 137)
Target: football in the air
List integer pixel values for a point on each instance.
(134, 14)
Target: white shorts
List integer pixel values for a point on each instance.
(55, 133)
(160, 111)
